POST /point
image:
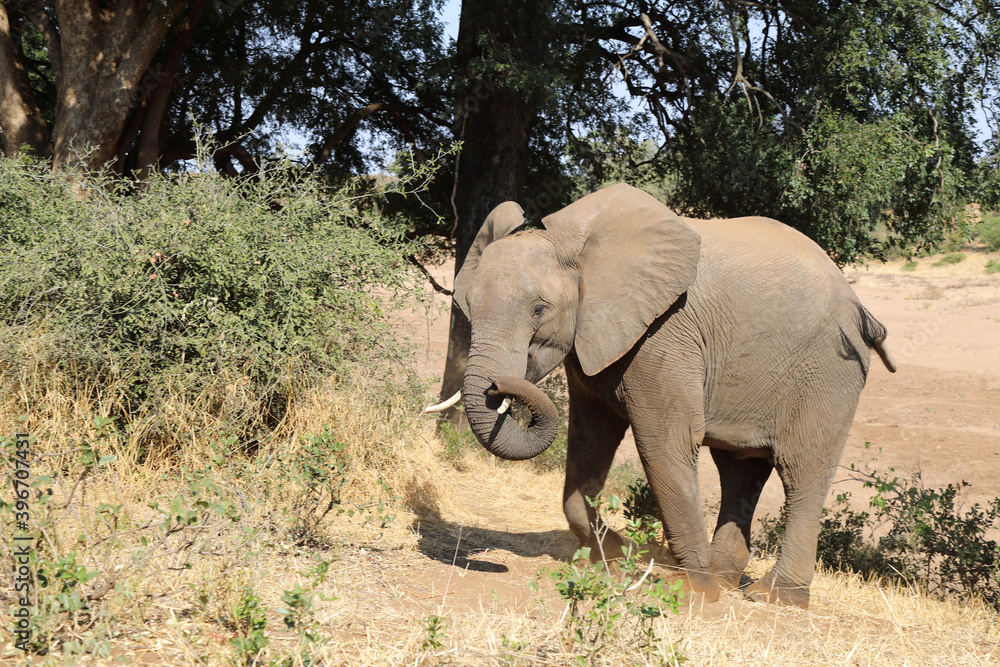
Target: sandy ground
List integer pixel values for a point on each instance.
(940, 414)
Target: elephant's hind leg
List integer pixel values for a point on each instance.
(742, 482)
(595, 432)
(806, 483)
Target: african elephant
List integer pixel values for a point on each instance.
(739, 335)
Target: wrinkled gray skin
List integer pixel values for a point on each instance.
(737, 335)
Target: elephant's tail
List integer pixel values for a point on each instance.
(874, 333)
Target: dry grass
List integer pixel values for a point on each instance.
(463, 547)
(850, 621)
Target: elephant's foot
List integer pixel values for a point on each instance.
(659, 553)
(700, 583)
(730, 556)
(698, 586)
(728, 569)
(611, 546)
(769, 590)
(704, 584)
(729, 579)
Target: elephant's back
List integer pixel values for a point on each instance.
(762, 238)
(767, 256)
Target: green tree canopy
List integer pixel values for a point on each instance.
(835, 117)
(253, 72)
(854, 121)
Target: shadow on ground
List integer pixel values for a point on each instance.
(465, 546)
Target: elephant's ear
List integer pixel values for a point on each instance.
(501, 221)
(635, 257)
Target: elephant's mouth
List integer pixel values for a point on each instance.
(501, 388)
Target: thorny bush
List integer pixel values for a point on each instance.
(911, 534)
(232, 296)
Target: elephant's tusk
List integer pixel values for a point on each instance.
(444, 405)
(504, 406)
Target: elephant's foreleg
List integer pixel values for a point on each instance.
(595, 432)
(742, 482)
(671, 464)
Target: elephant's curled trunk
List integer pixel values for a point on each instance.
(500, 434)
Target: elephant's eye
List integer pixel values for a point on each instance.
(539, 310)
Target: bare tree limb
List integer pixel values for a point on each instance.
(434, 283)
(150, 140)
(326, 150)
(53, 43)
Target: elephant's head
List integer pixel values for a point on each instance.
(593, 280)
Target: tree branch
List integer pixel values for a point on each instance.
(437, 286)
(53, 43)
(326, 150)
(150, 141)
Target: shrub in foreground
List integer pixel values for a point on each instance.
(618, 599)
(232, 296)
(103, 550)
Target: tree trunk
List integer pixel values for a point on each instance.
(99, 54)
(21, 121)
(105, 55)
(158, 91)
(492, 120)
